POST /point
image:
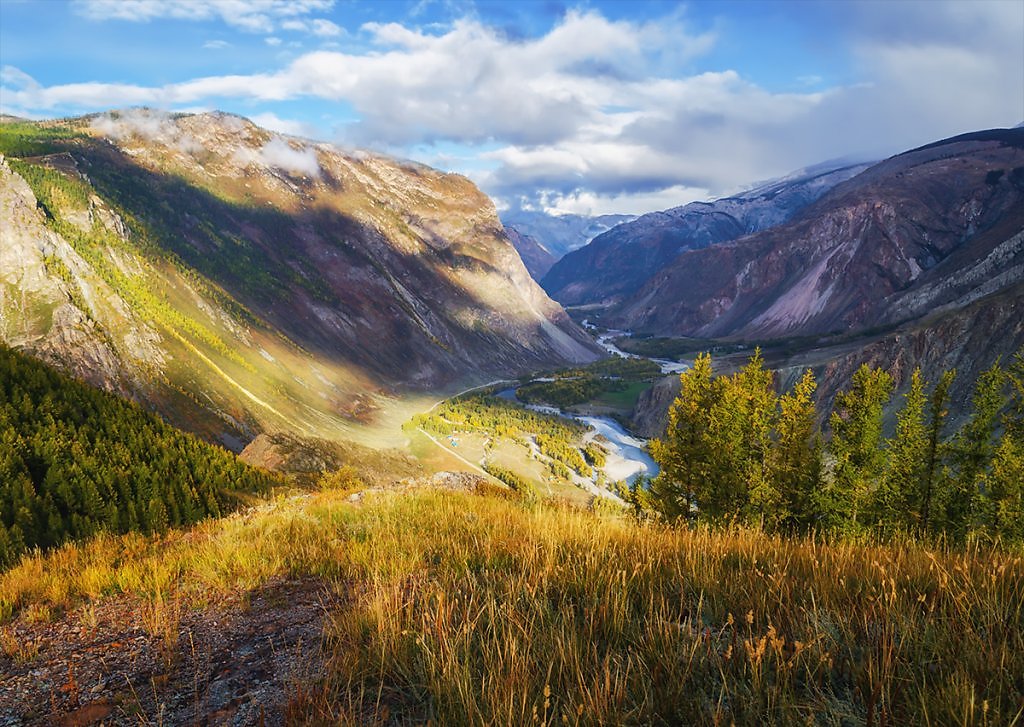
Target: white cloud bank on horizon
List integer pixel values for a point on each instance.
(582, 119)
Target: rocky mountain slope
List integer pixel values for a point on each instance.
(929, 230)
(242, 281)
(917, 262)
(560, 234)
(537, 258)
(619, 262)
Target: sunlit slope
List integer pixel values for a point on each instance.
(240, 281)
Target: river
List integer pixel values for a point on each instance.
(627, 455)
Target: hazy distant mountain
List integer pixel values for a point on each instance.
(242, 281)
(560, 234)
(620, 261)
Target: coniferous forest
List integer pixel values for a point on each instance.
(735, 450)
(75, 461)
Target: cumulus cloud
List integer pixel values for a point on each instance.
(257, 16)
(317, 26)
(596, 112)
(274, 122)
(151, 125)
(216, 44)
(279, 153)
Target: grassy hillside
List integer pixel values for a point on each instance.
(480, 609)
(75, 460)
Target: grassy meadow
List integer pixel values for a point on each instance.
(458, 608)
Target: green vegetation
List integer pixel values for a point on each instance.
(75, 461)
(518, 484)
(19, 139)
(465, 609)
(497, 416)
(735, 450)
(571, 387)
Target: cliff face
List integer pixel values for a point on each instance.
(241, 281)
(929, 230)
(621, 261)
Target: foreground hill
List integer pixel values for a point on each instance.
(458, 608)
(619, 262)
(241, 281)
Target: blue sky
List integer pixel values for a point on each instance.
(588, 107)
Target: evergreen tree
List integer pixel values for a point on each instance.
(797, 466)
(895, 503)
(684, 453)
(934, 478)
(856, 424)
(973, 450)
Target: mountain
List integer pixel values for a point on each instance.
(560, 234)
(930, 230)
(240, 281)
(537, 259)
(618, 262)
(916, 262)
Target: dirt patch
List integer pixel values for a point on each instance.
(235, 662)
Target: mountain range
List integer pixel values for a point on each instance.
(625, 257)
(543, 239)
(239, 281)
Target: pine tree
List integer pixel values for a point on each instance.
(934, 478)
(684, 452)
(856, 424)
(895, 504)
(797, 466)
(756, 415)
(973, 450)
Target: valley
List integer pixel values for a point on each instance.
(256, 385)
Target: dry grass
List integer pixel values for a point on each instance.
(464, 609)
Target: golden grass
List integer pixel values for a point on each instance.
(463, 609)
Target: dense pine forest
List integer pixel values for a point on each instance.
(75, 461)
(735, 450)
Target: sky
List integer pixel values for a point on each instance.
(588, 108)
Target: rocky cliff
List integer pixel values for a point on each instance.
(242, 281)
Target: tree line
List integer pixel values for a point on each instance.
(735, 450)
(75, 461)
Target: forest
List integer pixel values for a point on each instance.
(736, 451)
(75, 461)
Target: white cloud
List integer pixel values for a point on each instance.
(317, 26)
(292, 157)
(596, 113)
(257, 16)
(274, 122)
(272, 41)
(151, 125)
(216, 44)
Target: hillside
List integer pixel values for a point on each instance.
(619, 262)
(461, 608)
(240, 281)
(75, 461)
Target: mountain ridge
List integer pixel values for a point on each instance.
(239, 280)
